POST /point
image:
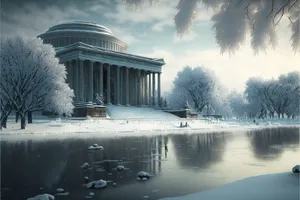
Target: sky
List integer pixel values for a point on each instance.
(150, 31)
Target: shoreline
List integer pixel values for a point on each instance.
(9, 135)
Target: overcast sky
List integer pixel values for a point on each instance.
(149, 31)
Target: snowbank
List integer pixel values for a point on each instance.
(129, 127)
(265, 187)
(128, 112)
(130, 121)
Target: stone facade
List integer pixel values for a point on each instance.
(96, 62)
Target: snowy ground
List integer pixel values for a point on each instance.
(265, 187)
(124, 112)
(130, 121)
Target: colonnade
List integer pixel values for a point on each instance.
(119, 85)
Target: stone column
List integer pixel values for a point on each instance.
(139, 99)
(150, 91)
(91, 81)
(76, 82)
(127, 86)
(96, 79)
(143, 88)
(158, 89)
(108, 85)
(118, 85)
(81, 80)
(153, 89)
(70, 72)
(146, 89)
(122, 85)
(134, 85)
(101, 78)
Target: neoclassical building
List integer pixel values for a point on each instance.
(97, 62)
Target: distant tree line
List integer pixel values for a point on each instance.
(200, 88)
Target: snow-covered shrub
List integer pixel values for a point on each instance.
(99, 99)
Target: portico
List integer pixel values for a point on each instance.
(97, 63)
(122, 79)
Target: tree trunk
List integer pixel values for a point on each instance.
(23, 122)
(282, 115)
(4, 122)
(278, 115)
(293, 116)
(17, 117)
(29, 115)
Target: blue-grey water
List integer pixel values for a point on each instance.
(180, 164)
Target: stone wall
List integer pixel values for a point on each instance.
(185, 113)
(97, 111)
(93, 111)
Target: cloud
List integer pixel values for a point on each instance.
(32, 20)
(233, 71)
(125, 34)
(189, 36)
(161, 25)
(144, 13)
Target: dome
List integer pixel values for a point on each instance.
(78, 26)
(65, 34)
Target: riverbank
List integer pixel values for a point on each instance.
(83, 127)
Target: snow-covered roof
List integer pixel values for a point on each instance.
(81, 45)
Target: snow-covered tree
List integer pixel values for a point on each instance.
(237, 103)
(280, 96)
(197, 85)
(232, 19)
(290, 88)
(99, 99)
(32, 79)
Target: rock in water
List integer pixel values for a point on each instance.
(100, 184)
(97, 184)
(42, 197)
(91, 194)
(85, 165)
(63, 194)
(296, 169)
(143, 174)
(95, 147)
(60, 190)
(120, 168)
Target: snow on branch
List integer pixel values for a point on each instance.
(32, 78)
(232, 19)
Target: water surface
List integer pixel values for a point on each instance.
(180, 164)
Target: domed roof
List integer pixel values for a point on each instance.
(80, 26)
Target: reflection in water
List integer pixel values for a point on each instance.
(32, 167)
(270, 143)
(198, 151)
